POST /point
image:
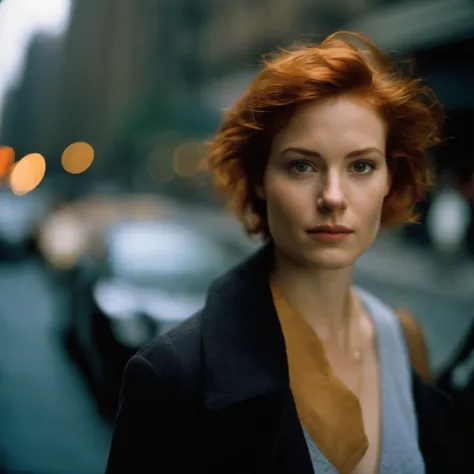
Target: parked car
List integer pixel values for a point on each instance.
(153, 274)
(77, 228)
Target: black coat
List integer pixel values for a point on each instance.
(213, 395)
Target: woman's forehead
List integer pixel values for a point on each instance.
(343, 125)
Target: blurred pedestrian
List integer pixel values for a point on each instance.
(457, 380)
(290, 368)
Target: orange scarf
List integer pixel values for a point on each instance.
(327, 409)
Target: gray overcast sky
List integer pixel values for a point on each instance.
(19, 21)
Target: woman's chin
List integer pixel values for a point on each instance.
(333, 259)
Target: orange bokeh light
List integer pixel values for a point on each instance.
(7, 158)
(77, 157)
(27, 174)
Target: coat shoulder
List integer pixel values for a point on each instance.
(176, 356)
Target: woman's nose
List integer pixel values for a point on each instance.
(332, 197)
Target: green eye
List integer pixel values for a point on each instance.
(363, 167)
(300, 166)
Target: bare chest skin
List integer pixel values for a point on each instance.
(363, 379)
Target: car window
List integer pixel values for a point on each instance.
(165, 252)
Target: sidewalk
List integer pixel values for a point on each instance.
(394, 261)
(49, 423)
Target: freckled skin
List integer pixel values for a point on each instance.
(354, 187)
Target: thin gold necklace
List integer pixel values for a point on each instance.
(354, 353)
(357, 353)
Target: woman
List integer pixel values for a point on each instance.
(289, 368)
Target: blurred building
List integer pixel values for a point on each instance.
(124, 63)
(106, 60)
(30, 113)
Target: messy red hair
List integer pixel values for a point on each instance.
(344, 63)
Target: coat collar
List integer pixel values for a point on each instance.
(243, 343)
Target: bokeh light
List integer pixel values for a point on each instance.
(27, 174)
(62, 239)
(188, 157)
(77, 157)
(7, 158)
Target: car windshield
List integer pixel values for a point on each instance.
(166, 254)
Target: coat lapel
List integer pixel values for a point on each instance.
(243, 344)
(246, 383)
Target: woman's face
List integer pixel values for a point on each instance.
(327, 168)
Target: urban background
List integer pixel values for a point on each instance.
(105, 106)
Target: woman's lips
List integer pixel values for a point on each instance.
(329, 236)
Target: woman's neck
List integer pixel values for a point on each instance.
(324, 298)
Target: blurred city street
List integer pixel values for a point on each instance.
(49, 421)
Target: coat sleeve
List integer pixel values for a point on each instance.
(142, 438)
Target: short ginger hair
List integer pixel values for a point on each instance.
(344, 63)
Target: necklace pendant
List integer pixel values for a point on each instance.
(358, 356)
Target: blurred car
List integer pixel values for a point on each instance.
(152, 276)
(20, 218)
(78, 227)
